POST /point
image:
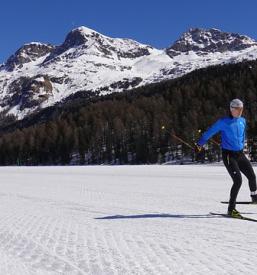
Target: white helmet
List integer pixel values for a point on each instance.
(236, 103)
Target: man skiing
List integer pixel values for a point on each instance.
(232, 130)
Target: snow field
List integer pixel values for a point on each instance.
(122, 220)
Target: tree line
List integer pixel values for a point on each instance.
(126, 128)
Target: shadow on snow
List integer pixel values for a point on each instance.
(146, 216)
(151, 216)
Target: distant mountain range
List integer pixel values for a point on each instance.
(41, 75)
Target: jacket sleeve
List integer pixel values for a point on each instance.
(215, 128)
(245, 133)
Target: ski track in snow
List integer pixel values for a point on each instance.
(122, 220)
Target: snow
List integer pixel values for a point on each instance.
(122, 220)
(36, 43)
(40, 79)
(85, 30)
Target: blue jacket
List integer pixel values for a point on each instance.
(232, 133)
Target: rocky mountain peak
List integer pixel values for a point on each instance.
(27, 53)
(208, 41)
(85, 38)
(79, 36)
(76, 37)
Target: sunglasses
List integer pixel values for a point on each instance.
(237, 108)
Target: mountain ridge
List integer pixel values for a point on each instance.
(40, 75)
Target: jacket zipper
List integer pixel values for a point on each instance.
(238, 134)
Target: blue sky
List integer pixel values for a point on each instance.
(158, 23)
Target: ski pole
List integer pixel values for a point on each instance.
(178, 138)
(184, 142)
(215, 142)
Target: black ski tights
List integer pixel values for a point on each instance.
(236, 162)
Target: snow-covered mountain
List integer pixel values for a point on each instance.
(40, 75)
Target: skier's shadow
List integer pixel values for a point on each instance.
(151, 216)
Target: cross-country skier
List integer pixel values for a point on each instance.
(232, 129)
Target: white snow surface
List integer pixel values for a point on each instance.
(122, 220)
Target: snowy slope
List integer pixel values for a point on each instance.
(40, 75)
(122, 220)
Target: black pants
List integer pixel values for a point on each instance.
(236, 162)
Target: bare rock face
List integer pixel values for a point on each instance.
(203, 41)
(27, 53)
(28, 92)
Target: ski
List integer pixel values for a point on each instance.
(239, 218)
(240, 202)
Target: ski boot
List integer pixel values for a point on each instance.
(234, 214)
